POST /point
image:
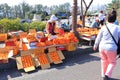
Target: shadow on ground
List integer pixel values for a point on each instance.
(9, 70)
(80, 56)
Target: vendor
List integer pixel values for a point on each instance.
(95, 24)
(79, 22)
(51, 25)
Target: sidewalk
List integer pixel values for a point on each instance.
(82, 64)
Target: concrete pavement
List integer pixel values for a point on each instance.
(82, 64)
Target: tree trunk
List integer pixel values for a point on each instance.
(83, 17)
(84, 13)
(74, 19)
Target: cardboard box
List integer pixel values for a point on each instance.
(28, 69)
(5, 54)
(52, 49)
(45, 66)
(38, 51)
(43, 60)
(19, 63)
(71, 47)
(3, 37)
(21, 66)
(37, 64)
(28, 52)
(32, 31)
(49, 58)
(11, 42)
(14, 48)
(58, 62)
(52, 58)
(23, 35)
(61, 55)
(25, 47)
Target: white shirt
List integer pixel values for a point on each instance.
(104, 39)
(101, 16)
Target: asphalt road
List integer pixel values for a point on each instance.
(82, 64)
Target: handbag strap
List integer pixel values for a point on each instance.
(111, 34)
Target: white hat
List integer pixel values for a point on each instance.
(96, 18)
(49, 21)
(53, 18)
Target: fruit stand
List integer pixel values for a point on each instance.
(36, 49)
(88, 34)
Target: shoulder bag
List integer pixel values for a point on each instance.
(118, 44)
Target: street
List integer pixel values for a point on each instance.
(82, 64)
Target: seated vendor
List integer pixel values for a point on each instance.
(79, 22)
(51, 25)
(95, 24)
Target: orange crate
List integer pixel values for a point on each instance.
(38, 51)
(3, 37)
(43, 39)
(4, 53)
(3, 56)
(27, 61)
(32, 31)
(14, 48)
(4, 50)
(54, 56)
(71, 47)
(11, 42)
(23, 34)
(24, 47)
(42, 58)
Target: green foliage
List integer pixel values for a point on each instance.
(39, 26)
(10, 24)
(15, 24)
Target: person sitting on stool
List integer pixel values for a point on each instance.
(95, 24)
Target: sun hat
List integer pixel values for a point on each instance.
(49, 21)
(53, 18)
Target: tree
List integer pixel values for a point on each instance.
(38, 8)
(74, 19)
(115, 4)
(25, 8)
(84, 11)
(74, 15)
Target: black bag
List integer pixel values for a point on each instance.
(118, 44)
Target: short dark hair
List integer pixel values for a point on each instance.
(101, 11)
(111, 17)
(81, 17)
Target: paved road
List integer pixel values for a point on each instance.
(82, 64)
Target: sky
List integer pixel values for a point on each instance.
(51, 2)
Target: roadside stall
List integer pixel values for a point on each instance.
(37, 49)
(88, 34)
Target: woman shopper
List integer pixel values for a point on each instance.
(107, 47)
